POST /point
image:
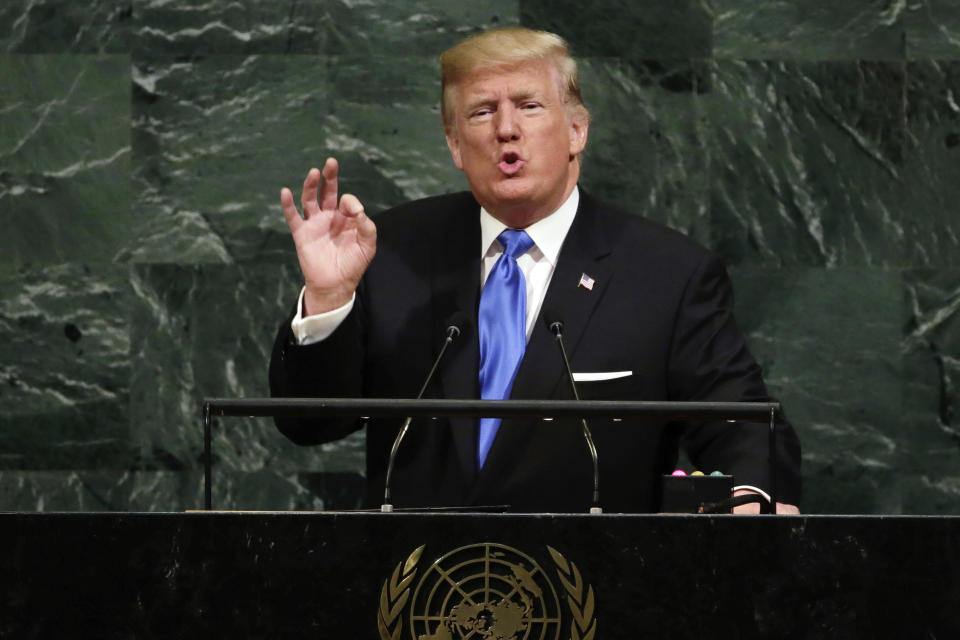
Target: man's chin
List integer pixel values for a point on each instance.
(517, 209)
(513, 191)
(515, 204)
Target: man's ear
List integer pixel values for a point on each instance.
(579, 126)
(453, 143)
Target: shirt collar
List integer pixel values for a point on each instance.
(547, 233)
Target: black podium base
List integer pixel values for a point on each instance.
(347, 576)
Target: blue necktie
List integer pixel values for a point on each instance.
(501, 322)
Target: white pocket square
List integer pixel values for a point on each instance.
(597, 376)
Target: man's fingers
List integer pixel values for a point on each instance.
(328, 192)
(320, 194)
(308, 197)
(289, 209)
(366, 229)
(350, 205)
(345, 217)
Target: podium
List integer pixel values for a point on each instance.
(360, 576)
(434, 576)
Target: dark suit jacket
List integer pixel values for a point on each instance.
(661, 308)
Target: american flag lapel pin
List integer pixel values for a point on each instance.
(586, 282)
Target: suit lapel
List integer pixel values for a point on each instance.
(542, 371)
(456, 287)
(583, 253)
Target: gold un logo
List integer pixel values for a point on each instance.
(484, 590)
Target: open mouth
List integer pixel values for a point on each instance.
(510, 163)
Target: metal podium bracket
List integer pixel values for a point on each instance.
(758, 412)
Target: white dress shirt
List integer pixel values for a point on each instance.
(540, 261)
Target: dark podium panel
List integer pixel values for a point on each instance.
(350, 576)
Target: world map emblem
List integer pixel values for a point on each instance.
(486, 591)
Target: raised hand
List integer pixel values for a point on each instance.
(335, 239)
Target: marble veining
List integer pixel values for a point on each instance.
(144, 262)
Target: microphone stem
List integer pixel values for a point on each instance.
(586, 430)
(436, 363)
(406, 423)
(566, 365)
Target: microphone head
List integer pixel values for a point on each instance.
(457, 323)
(552, 319)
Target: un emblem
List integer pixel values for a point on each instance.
(484, 590)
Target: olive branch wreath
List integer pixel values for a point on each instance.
(584, 625)
(396, 591)
(394, 595)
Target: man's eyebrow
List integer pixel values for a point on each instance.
(491, 99)
(479, 102)
(520, 96)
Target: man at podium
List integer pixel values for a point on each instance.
(646, 312)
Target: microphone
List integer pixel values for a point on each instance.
(555, 325)
(457, 325)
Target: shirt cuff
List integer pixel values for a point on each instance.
(315, 328)
(747, 487)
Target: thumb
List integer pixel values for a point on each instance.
(350, 205)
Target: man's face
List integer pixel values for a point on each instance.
(516, 141)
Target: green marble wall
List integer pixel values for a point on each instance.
(145, 262)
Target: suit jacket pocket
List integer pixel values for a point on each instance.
(616, 389)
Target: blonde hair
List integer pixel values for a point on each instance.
(509, 47)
